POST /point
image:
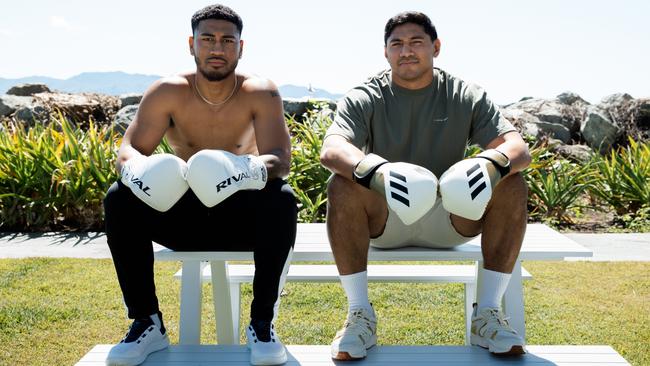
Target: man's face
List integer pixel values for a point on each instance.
(410, 52)
(216, 48)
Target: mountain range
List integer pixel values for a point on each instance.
(117, 82)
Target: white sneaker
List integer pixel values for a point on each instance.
(490, 329)
(359, 333)
(144, 337)
(265, 345)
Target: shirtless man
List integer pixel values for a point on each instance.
(221, 190)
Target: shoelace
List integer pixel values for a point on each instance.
(136, 329)
(263, 330)
(497, 322)
(358, 319)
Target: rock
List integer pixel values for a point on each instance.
(570, 98)
(643, 115)
(26, 90)
(130, 99)
(598, 130)
(32, 114)
(80, 108)
(11, 103)
(124, 117)
(553, 130)
(615, 99)
(530, 124)
(298, 107)
(577, 153)
(552, 111)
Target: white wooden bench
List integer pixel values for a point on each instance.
(189, 355)
(540, 243)
(465, 274)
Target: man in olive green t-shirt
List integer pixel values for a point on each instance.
(397, 150)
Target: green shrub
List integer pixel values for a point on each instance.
(623, 178)
(554, 185)
(55, 176)
(308, 178)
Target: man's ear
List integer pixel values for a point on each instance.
(191, 44)
(436, 47)
(385, 53)
(241, 47)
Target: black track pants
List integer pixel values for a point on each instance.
(261, 221)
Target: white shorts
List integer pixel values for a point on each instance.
(433, 230)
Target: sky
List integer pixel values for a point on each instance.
(513, 49)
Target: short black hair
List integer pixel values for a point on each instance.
(219, 12)
(410, 17)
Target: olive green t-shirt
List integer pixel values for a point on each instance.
(429, 127)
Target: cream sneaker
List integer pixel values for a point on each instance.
(359, 333)
(490, 329)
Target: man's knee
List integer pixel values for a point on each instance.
(339, 188)
(116, 198)
(512, 189)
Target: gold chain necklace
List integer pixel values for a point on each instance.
(196, 87)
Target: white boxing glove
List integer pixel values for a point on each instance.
(410, 190)
(158, 180)
(466, 187)
(215, 175)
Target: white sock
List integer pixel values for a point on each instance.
(156, 319)
(356, 289)
(491, 289)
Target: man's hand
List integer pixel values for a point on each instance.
(158, 180)
(466, 187)
(215, 175)
(410, 190)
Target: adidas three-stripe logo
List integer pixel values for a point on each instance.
(477, 183)
(397, 187)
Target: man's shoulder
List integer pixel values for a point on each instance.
(458, 86)
(172, 84)
(371, 88)
(257, 84)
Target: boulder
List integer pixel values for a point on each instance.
(26, 90)
(32, 114)
(298, 107)
(130, 99)
(11, 103)
(576, 153)
(643, 114)
(570, 98)
(598, 130)
(615, 100)
(124, 117)
(80, 108)
(565, 110)
(529, 124)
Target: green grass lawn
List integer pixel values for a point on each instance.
(52, 311)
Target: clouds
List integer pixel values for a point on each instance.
(59, 22)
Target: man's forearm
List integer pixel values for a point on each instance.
(340, 157)
(277, 165)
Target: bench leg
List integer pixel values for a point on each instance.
(513, 301)
(222, 303)
(235, 304)
(190, 323)
(470, 298)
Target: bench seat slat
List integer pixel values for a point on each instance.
(540, 243)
